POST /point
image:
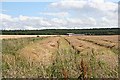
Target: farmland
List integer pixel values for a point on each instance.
(60, 57)
(21, 36)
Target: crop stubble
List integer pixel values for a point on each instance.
(62, 57)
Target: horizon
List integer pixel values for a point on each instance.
(60, 29)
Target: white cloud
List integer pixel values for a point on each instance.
(104, 19)
(23, 18)
(59, 21)
(45, 23)
(74, 21)
(57, 14)
(27, 22)
(108, 22)
(6, 17)
(92, 10)
(23, 22)
(92, 21)
(69, 4)
(78, 4)
(30, 28)
(102, 5)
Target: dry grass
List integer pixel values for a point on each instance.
(101, 55)
(59, 57)
(40, 51)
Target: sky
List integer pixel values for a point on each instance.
(58, 14)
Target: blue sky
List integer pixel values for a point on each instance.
(28, 8)
(24, 8)
(59, 14)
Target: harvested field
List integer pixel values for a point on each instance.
(22, 36)
(60, 57)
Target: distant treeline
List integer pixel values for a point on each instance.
(100, 31)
